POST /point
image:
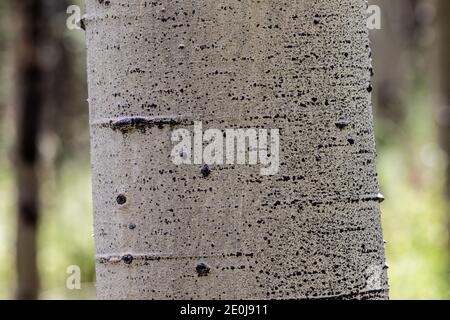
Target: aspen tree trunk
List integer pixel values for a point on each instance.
(169, 232)
(29, 106)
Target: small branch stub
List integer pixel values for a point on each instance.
(205, 170)
(380, 198)
(128, 258)
(121, 199)
(202, 269)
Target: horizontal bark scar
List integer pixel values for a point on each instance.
(129, 124)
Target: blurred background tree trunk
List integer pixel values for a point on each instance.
(394, 59)
(29, 102)
(44, 91)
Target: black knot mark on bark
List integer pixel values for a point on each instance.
(378, 198)
(121, 199)
(202, 269)
(128, 124)
(131, 123)
(286, 177)
(128, 258)
(342, 124)
(205, 170)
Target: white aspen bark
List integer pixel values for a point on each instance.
(164, 231)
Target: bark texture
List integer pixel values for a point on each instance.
(166, 232)
(29, 104)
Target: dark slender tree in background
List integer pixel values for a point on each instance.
(395, 53)
(45, 93)
(29, 106)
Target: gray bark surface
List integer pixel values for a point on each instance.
(313, 230)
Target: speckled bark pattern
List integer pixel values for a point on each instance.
(167, 232)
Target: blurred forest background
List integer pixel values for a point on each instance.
(411, 59)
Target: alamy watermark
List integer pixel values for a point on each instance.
(249, 146)
(73, 281)
(374, 17)
(73, 22)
